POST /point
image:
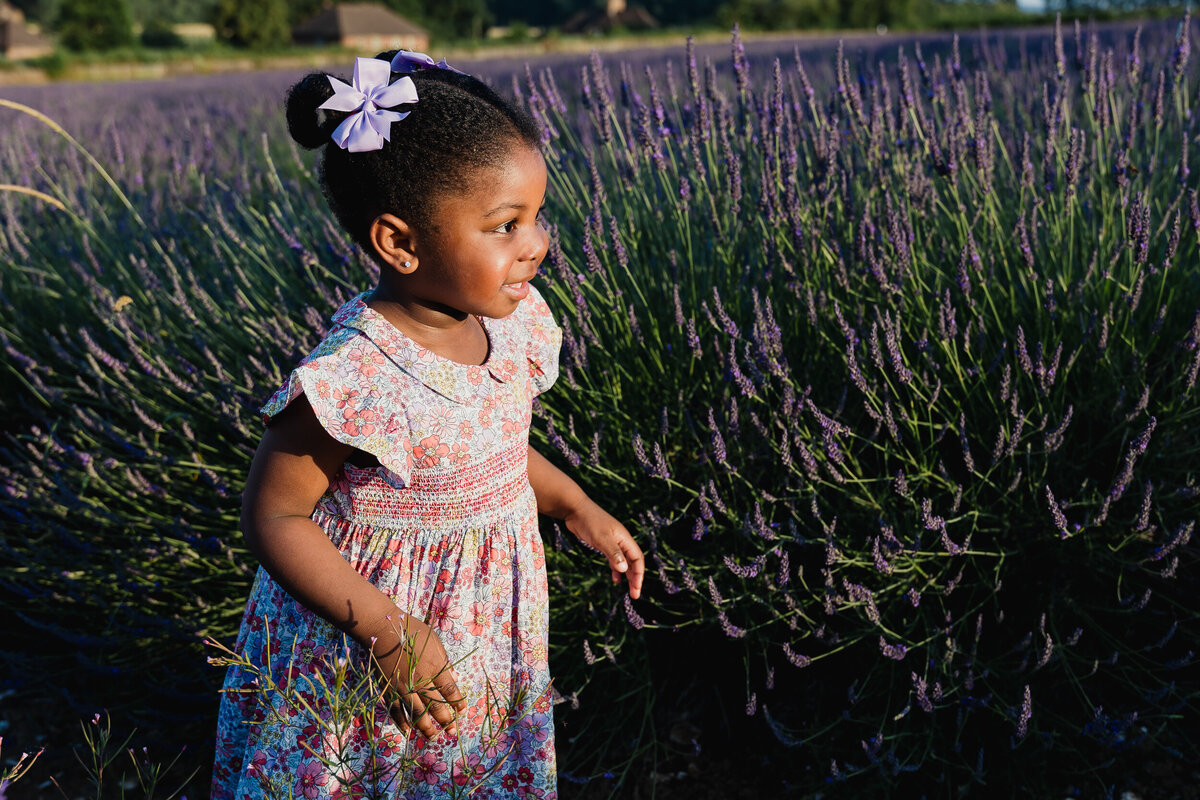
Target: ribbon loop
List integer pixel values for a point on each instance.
(411, 61)
(369, 126)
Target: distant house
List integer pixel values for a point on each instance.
(366, 27)
(17, 41)
(615, 14)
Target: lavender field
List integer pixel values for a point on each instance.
(886, 351)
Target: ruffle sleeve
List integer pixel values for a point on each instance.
(543, 339)
(341, 381)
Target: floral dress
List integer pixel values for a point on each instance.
(446, 525)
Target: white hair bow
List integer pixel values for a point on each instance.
(370, 126)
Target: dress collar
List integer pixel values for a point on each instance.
(463, 383)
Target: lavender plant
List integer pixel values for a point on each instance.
(899, 382)
(889, 358)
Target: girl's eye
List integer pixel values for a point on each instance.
(507, 227)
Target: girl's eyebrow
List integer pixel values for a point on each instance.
(504, 207)
(508, 207)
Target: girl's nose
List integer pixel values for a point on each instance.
(537, 249)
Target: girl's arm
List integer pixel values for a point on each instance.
(292, 468)
(560, 497)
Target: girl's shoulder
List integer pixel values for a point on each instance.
(355, 397)
(333, 359)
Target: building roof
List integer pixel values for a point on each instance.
(356, 19)
(14, 32)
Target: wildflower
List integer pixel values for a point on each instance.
(1060, 58)
(794, 658)
(1060, 520)
(1025, 715)
(1183, 44)
(718, 442)
(635, 619)
(740, 67)
(896, 652)
(920, 687)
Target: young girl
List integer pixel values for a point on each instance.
(393, 500)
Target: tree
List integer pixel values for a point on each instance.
(43, 12)
(255, 24)
(466, 18)
(455, 19)
(301, 10)
(95, 24)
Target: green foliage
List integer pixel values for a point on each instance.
(852, 365)
(253, 24)
(94, 24)
(786, 15)
(300, 10)
(158, 33)
(145, 11)
(447, 19)
(824, 14)
(54, 64)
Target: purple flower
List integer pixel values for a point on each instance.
(1181, 537)
(896, 652)
(635, 619)
(1025, 715)
(920, 687)
(796, 659)
(1183, 44)
(861, 594)
(718, 441)
(740, 68)
(731, 630)
(1060, 520)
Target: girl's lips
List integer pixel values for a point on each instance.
(517, 291)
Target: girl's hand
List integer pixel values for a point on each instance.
(597, 529)
(411, 658)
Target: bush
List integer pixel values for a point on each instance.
(94, 24)
(899, 382)
(161, 35)
(254, 24)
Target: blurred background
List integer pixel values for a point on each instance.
(77, 38)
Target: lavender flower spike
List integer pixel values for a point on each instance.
(1026, 714)
(896, 652)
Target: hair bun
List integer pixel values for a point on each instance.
(309, 125)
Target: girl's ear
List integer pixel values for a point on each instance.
(393, 241)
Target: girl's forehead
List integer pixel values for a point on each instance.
(520, 170)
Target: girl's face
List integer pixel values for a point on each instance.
(488, 241)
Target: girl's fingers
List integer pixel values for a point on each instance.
(446, 683)
(636, 571)
(442, 713)
(400, 715)
(617, 560)
(429, 714)
(437, 702)
(626, 558)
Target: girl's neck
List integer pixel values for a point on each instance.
(445, 331)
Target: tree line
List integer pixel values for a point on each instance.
(103, 24)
